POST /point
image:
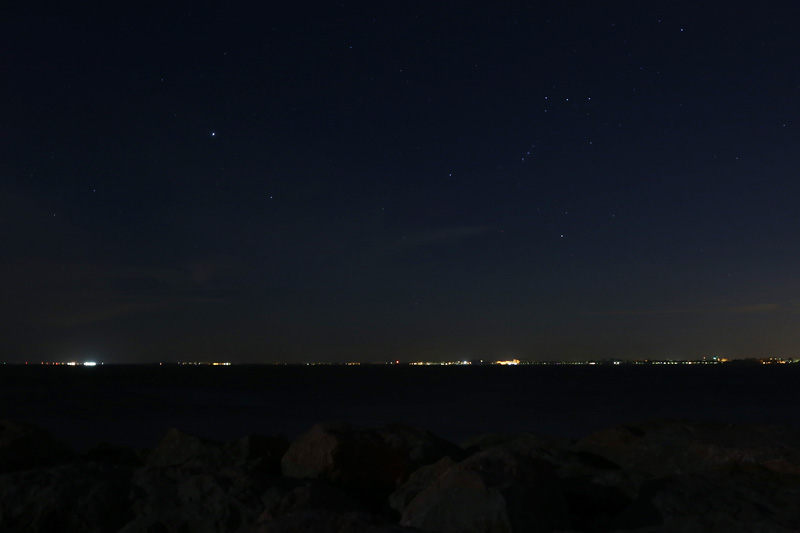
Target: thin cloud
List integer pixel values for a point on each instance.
(753, 309)
(67, 294)
(737, 309)
(440, 235)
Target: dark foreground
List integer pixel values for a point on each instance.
(653, 476)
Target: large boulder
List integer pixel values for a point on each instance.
(330, 522)
(254, 451)
(313, 496)
(371, 460)
(731, 499)
(24, 446)
(588, 482)
(197, 500)
(495, 490)
(420, 480)
(114, 455)
(671, 447)
(182, 449)
(706, 476)
(70, 497)
(259, 452)
(556, 451)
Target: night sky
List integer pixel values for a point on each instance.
(399, 180)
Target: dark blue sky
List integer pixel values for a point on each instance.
(437, 180)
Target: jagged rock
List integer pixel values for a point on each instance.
(732, 496)
(666, 448)
(185, 499)
(314, 496)
(70, 497)
(257, 451)
(715, 476)
(330, 522)
(528, 440)
(365, 459)
(554, 450)
(111, 454)
(648, 477)
(590, 483)
(592, 505)
(24, 446)
(492, 491)
(421, 479)
(254, 451)
(181, 449)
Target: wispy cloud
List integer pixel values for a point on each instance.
(440, 235)
(67, 294)
(752, 309)
(736, 309)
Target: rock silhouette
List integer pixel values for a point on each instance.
(653, 476)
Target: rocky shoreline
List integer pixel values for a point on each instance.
(653, 476)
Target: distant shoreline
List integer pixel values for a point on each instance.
(514, 362)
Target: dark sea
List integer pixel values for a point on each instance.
(135, 405)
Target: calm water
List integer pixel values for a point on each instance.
(135, 405)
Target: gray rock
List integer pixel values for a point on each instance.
(593, 505)
(70, 497)
(665, 448)
(330, 522)
(314, 496)
(181, 449)
(715, 500)
(254, 451)
(554, 450)
(685, 475)
(371, 460)
(421, 479)
(259, 452)
(529, 440)
(493, 491)
(24, 446)
(184, 500)
(112, 454)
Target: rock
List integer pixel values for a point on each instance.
(316, 496)
(254, 451)
(257, 451)
(529, 440)
(369, 460)
(111, 454)
(716, 476)
(648, 477)
(754, 497)
(191, 499)
(330, 522)
(495, 490)
(24, 446)
(667, 448)
(554, 450)
(181, 449)
(421, 479)
(71, 497)
(592, 505)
